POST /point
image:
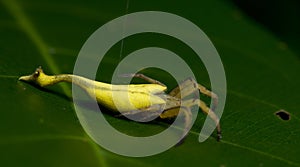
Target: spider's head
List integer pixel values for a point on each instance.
(36, 77)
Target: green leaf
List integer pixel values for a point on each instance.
(39, 126)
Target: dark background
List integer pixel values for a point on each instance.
(280, 17)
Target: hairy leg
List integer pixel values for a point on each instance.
(185, 88)
(184, 111)
(144, 77)
(143, 115)
(188, 87)
(206, 110)
(211, 94)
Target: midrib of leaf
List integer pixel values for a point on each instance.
(28, 28)
(15, 10)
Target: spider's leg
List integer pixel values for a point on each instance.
(144, 77)
(128, 113)
(187, 87)
(206, 110)
(186, 112)
(211, 94)
(170, 113)
(187, 121)
(142, 115)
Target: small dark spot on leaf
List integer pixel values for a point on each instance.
(284, 115)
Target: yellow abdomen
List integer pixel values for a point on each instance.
(124, 98)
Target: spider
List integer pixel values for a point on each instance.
(142, 97)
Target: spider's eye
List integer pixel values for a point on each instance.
(36, 74)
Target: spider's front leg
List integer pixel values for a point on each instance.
(206, 110)
(144, 77)
(186, 88)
